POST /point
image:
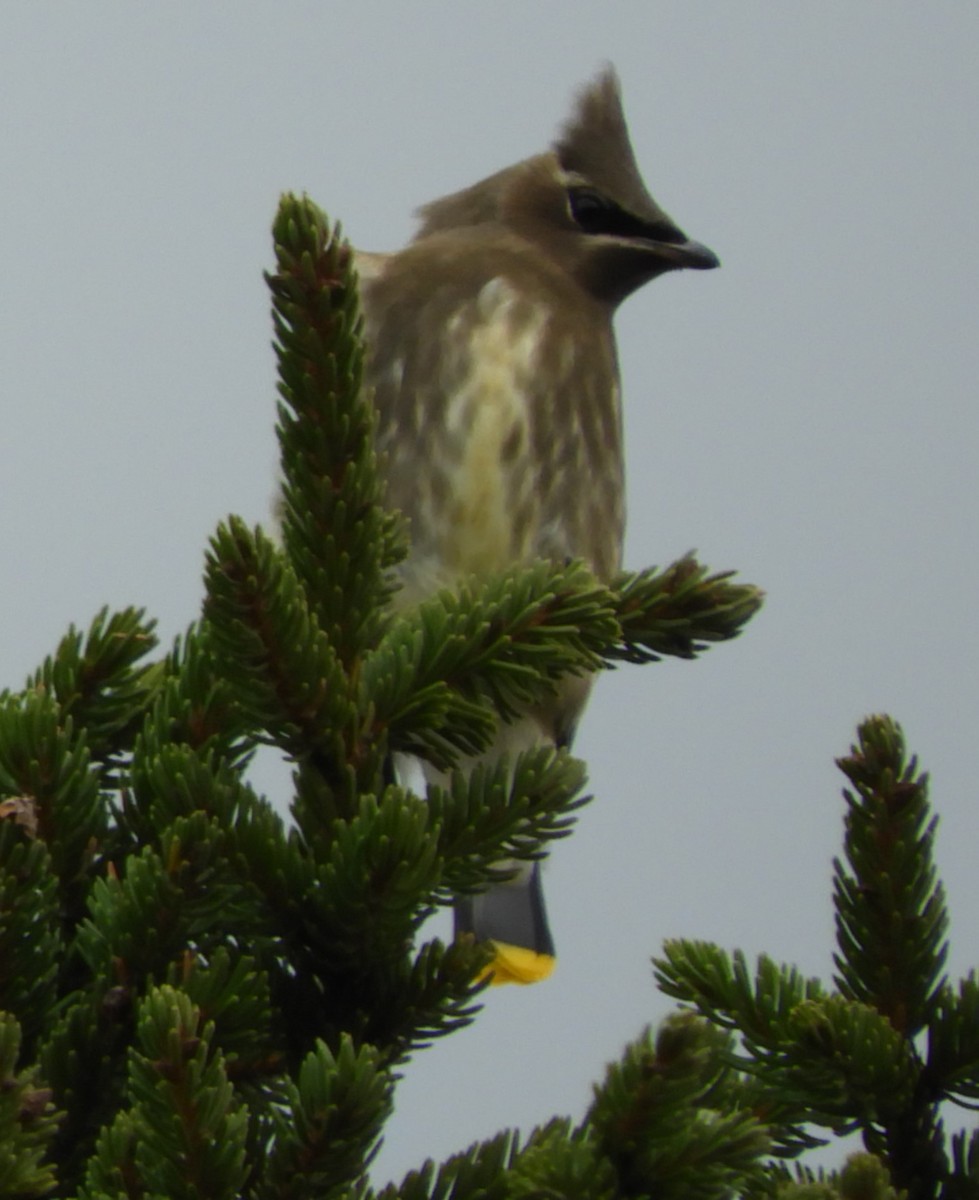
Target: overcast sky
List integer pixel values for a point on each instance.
(806, 415)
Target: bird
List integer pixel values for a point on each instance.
(492, 362)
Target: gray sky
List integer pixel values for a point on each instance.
(805, 415)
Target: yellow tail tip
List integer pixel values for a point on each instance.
(517, 964)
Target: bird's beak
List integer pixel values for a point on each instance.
(687, 254)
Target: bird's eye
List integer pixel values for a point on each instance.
(593, 212)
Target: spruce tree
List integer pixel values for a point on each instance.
(199, 998)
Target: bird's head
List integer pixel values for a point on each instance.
(583, 204)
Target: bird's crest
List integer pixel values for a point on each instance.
(594, 143)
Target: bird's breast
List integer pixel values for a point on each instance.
(504, 443)
(490, 491)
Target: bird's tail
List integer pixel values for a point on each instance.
(512, 916)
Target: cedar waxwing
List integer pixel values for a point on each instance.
(492, 360)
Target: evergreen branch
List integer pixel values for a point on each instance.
(184, 1134)
(722, 988)
(339, 538)
(45, 767)
(413, 1000)
(329, 1128)
(657, 1120)
(953, 1042)
(370, 893)
(356, 923)
(443, 668)
(194, 714)
(414, 710)
(862, 1177)
(825, 1059)
(196, 705)
(852, 1061)
(232, 994)
(501, 810)
(856, 1071)
(787, 1117)
(28, 1122)
(679, 611)
(436, 995)
(558, 1160)
(286, 674)
(891, 917)
(95, 682)
(31, 945)
(82, 1058)
(853, 1067)
(111, 1172)
(182, 896)
(133, 928)
(479, 1172)
(176, 781)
